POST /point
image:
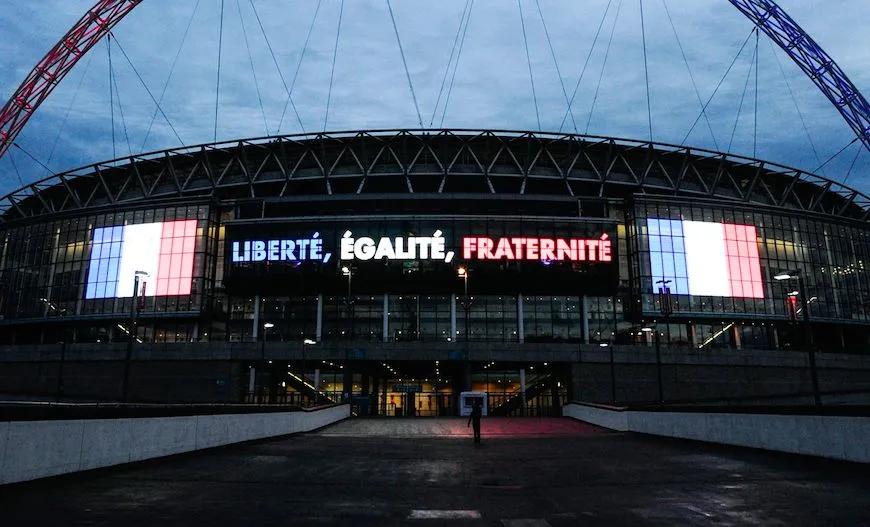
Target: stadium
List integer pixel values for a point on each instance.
(398, 268)
(415, 245)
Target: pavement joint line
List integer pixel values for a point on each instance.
(434, 514)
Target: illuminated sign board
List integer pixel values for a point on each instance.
(398, 248)
(284, 250)
(164, 250)
(433, 248)
(705, 258)
(411, 255)
(546, 249)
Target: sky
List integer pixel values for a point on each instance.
(173, 46)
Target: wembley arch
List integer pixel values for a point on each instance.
(767, 15)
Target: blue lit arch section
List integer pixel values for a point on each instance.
(766, 14)
(813, 61)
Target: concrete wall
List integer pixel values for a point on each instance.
(836, 437)
(217, 371)
(37, 449)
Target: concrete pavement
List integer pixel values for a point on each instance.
(532, 472)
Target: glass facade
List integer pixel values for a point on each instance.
(830, 259)
(81, 270)
(212, 277)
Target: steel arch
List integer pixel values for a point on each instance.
(100, 19)
(54, 66)
(813, 61)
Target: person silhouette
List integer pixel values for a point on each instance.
(476, 414)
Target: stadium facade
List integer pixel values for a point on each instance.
(408, 240)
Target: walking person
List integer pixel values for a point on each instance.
(474, 418)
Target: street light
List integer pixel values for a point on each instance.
(658, 341)
(666, 308)
(808, 330)
(462, 272)
(348, 272)
(316, 385)
(131, 333)
(65, 330)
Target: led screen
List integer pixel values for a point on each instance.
(705, 258)
(164, 250)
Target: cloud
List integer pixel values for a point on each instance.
(492, 86)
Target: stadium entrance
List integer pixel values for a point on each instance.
(412, 388)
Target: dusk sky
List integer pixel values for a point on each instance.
(491, 90)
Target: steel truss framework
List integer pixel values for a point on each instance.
(397, 162)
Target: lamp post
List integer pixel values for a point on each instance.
(808, 330)
(316, 385)
(658, 341)
(666, 308)
(462, 272)
(263, 386)
(612, 372)
(347, 271)
(131, 333)
(65, 331)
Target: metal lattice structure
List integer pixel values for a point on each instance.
(391, 163)
(59, 61)
(813, 61)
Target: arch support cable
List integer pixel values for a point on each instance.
(105, 14)
(813, 61)
(54, 66)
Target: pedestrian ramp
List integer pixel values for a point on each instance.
(457, 427)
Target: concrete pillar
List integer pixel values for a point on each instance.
(585, 321)
(735, 336)
(386, 321)
(384, 398)
(373, 401)
(252, 376)
(318, 336)
(555, 403)
(453, 318)
(347, 384)
(364, 391)
(774, 334)
(316, 384)
(521, 334)
(576, 382)
(693, 338)
(256, 323)
(523, 389)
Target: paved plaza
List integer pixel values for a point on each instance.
(427, 472)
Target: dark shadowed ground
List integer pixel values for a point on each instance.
(427, 472)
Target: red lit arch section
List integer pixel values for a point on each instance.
(54, 66)
(766, 14)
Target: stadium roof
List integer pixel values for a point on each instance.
(430, 162)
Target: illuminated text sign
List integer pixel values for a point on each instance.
(547, 249)
(398, 248)
(296, 250)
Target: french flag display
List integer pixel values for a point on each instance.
(164, 250)
(705, 258)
